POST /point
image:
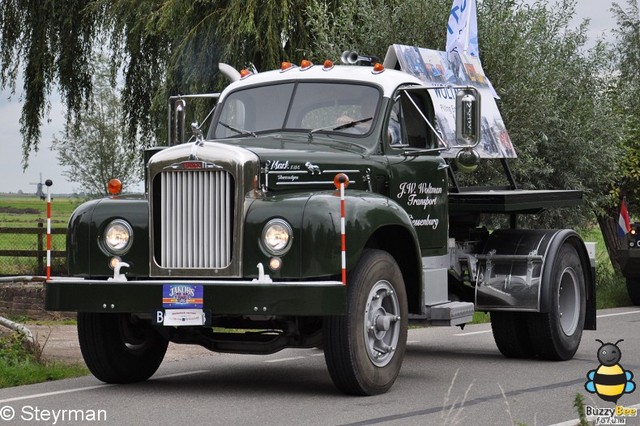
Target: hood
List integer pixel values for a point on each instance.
(302, 165)
(284, 163)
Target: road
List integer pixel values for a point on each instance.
(460, 370)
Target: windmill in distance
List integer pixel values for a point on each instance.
(39, 191)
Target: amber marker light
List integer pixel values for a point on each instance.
(378, 68)
(328, 64)
(286, 66)
(114, 262)
(275, 263)
(305, 64)
(114, 186)
(245, 73)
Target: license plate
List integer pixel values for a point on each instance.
(180, 317)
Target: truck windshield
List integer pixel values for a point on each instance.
(343, 108)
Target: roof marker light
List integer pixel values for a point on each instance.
(377, 68)
(305, 64)
(328, 64)
(286, 66)
(245, 73)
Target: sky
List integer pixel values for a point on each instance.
(14, 179)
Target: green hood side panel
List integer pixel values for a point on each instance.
(315, 219)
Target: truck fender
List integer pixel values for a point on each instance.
(569, 236)
(516, 267)
(371, 221)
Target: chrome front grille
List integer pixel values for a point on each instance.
(196, 218)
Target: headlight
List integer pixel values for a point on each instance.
(277, 236)
(118, 236)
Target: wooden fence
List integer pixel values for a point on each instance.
(40, 253)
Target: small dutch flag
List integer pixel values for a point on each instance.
(624, 223)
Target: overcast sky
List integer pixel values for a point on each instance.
(12, 177)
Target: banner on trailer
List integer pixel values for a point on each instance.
(435, 68)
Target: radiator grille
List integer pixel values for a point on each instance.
(196, 216)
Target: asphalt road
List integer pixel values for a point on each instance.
(449, 376)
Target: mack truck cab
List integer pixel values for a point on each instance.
(319, 207)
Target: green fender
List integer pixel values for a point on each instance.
(85, 258)
(372, 220)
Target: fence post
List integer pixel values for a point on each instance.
(40, 254)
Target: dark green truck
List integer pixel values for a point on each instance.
(237, 243)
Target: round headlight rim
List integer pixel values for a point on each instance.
(110, 250)
(282, 222)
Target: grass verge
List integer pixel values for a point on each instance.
(22, 364)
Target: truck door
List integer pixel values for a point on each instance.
(418, 174)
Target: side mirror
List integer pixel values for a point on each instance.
(468, 117)
(468, 128)
(179, 117)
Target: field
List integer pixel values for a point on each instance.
(27, 212)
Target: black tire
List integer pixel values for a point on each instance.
(633, 288)
(357, 345)
(555, 335)
(511, 334)
(119, 348)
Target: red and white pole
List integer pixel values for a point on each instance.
(48, 183)
(341, 181)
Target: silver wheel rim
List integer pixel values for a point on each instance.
(381, 323)
(569, 301)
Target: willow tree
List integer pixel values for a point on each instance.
(158, 47)
(555, 96)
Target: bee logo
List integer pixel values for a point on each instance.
(610, 381)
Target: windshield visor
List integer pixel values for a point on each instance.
(341, 108)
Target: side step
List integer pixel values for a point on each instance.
(450, 313)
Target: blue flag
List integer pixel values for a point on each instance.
(462, 28)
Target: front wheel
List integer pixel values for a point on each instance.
(120, 348)
(364, 349)
(633, 288)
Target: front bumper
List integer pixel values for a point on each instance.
(309, 298)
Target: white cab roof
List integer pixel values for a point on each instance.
(388, 80)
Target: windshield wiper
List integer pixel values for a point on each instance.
(340, 127)
(238, 131)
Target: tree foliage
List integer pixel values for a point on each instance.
(93, 149)
(628, 101)
(566, 112)
(50, 44)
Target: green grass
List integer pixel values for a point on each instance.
(22, 365)
(25, 211)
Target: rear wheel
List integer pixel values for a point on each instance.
(511, 334)
(364, 349)
(120, 348)
(633, 288)
(556, 334)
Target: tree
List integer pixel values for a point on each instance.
(627, 100)
(623, 93)
(555, 96)
(557, 99)
(92, 148)
(163, 47)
